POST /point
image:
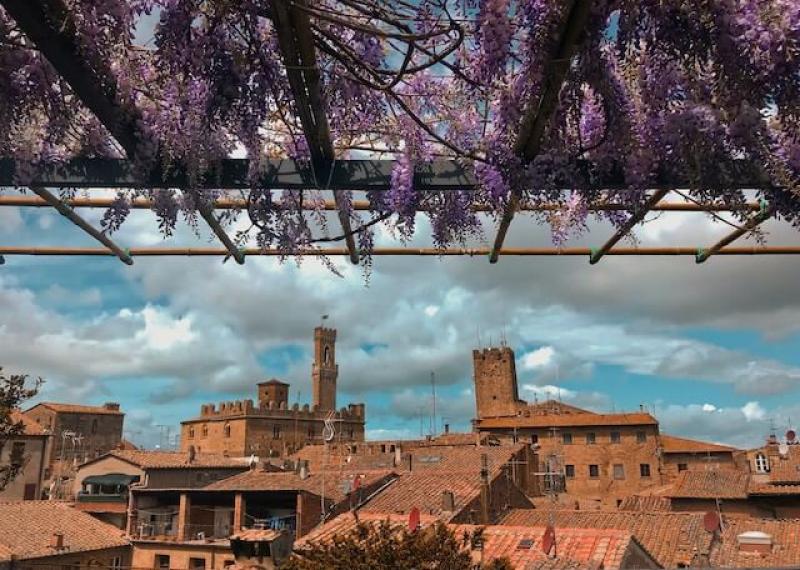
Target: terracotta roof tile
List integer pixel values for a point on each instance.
(255, 534)
(672, 444)
(785, 551)
(555, 407)
(336, 484)
(577, 548)
(651, 503)
(587, 419)
(27, 528)
(78, 409)
(786, 470)
(770, 489)
(670, 538)
(176, 459)
(718, 484)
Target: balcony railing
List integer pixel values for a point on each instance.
(99, 498)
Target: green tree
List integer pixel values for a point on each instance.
(387, 547)
(14, 390)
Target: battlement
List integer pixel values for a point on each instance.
(278, 409)
(325, 333)
(494, 353)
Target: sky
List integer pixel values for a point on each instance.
(711, 350)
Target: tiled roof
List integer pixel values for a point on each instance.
(78, 409)
(555, 407)
(424, 490)
(672, 444)
(717, 484)
(444, 458)
(670, 538)
(468, 438)
(255, 534)
(576, 548)
(576, 420)
(786, 470)
(127, 445)
(176, 460)
(30, 425)
(27, 529)
(336, 484)
(652, 503)
(785, 551)
(272, 381)
(770, 489)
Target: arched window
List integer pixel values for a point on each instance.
(762, 463)
(326, 358)
(205, 430)
(227, 430)
(191, 432)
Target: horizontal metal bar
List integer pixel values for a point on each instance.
(397, 251)
(363, 205)
(232, 174)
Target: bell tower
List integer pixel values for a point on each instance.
(324, 371)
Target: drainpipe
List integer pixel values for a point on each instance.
(41, 468)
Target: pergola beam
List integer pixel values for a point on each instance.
(398, 251)
(540, 112)
(296, 42)
(68, 213)
(635, 218)
(51, 27)
(765, 214)
(364, 205)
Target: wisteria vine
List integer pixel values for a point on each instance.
(657, 87)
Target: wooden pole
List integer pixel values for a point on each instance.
(765, 214)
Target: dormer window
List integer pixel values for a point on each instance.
(762, 463)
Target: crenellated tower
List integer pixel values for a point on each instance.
(324, 370)
(495, 378)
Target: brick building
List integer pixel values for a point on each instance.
(680, 454)
(273, 427)
(28, 449)
(79, 433)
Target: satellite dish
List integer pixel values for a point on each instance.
(791, 436)
(413, 520)
(783, 449)
(711, 521)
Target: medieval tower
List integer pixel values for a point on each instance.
(324, 371)
(495, 382)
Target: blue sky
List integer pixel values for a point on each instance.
(712, 350)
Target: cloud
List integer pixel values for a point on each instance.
(709, 408)
(753, 411)
(538, 358)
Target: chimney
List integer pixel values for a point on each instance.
(304, 470)
(113, 406)
(484, 489)
(191, 455)
(410, 461)
(448, 501)
(57, 541)
(446, 429)
(398, 456)
(755, 541)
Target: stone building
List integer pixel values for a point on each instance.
(599, 457)
(79, 433)
(273, 426)
(680, 454)
(28, 449)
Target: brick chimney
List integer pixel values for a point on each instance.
(304, 470)
(57, 541)
(448, 501)
(446, 429)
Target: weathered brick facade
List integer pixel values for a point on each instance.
(273, 427)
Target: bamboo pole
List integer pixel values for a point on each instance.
(765, 214)
(396, 251)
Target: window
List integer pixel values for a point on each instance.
(591, 438)
(566, 438)
(569, 470)
(383, 448)
(227, 430)
(534, 438)
(391, 449)
(162, 561)
(762, 463)
(327, 358)
(205, 430)
(197, 563)
(682, 467)
(619, 471)
(191, 432)
(615, 437)
(116, 563)
(594, 471)
(18, 453)
(276, 432)
(641, 436)
(644, 469)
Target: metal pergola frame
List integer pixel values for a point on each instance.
(49, 25)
